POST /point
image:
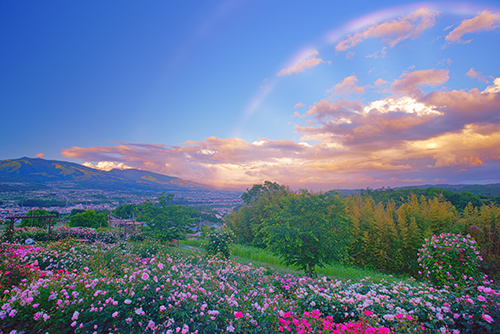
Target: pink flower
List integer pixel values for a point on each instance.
(487, 318)
(145, 276)
(368, 313)
(238, 314)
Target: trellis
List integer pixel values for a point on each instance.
(10, 231)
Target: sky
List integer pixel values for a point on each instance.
(311, 94)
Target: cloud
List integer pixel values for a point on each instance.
(469, 107)
(410, 81)
(394, 31)
(380, 82)
(407, 138)
(39, 155)
(472, 146)
(348, 86)
(309, 61)
(107, 165)
(484, 21)
(299, 105)
(378, 54)
(472, 73)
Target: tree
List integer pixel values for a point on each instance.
(89, 218)
(126, 211)
(308, 230)
(166, 221)
(247, 223)
(36, 222)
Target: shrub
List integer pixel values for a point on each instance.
(219, 243)
(450, 260)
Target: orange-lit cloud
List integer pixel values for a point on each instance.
(299, 105)
(107, 165)
(407, 138)
(348, 86)
(484, 21)
(472, 73)
(310, 61)
(39, 155)
(410, 81)
(472, 106)
(394, 31)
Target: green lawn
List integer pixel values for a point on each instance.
(261, 257)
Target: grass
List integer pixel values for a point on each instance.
(336, 270)
(261, 257)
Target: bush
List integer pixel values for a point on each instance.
(450, 260)
(219, 243)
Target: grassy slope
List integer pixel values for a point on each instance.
(261, 257)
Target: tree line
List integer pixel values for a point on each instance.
(376, 229)
(163, 219)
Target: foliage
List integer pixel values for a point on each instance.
(166, 221)
(36, 222)
(219, 243)
(450, 261)
(247, 221)
(459, 200)
(484, 226)
(89, 218)
(387, 237)
(308, 230)
(85, 234)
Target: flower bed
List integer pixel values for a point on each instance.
(72, 287)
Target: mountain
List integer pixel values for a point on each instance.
(36, 170)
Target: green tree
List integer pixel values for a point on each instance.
(247, 223)
(126, 211)
(308, 230)
(36, 222)
(89, 218)
(166, 221)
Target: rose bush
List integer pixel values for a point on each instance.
(450, 261)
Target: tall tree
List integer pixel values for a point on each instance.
(308, 230)
(89, 218)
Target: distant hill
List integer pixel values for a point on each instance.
(476, 189)
(36, 170)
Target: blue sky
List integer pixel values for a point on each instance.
(317, 94)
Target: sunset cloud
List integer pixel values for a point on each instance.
(348, 86)
(469, 106)
(472, 73)
(394, 31)
(410, 81)
(484, 21)
(39, 155)
(309, 61)
(107, 165)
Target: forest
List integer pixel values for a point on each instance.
(377, 229)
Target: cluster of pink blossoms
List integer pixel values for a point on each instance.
(312, 322)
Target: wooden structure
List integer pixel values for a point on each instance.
(129, 225)
(14, 218)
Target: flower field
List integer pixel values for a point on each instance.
(69, 286)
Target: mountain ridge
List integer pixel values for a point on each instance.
(38, 170)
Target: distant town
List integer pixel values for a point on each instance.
(18, 198)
